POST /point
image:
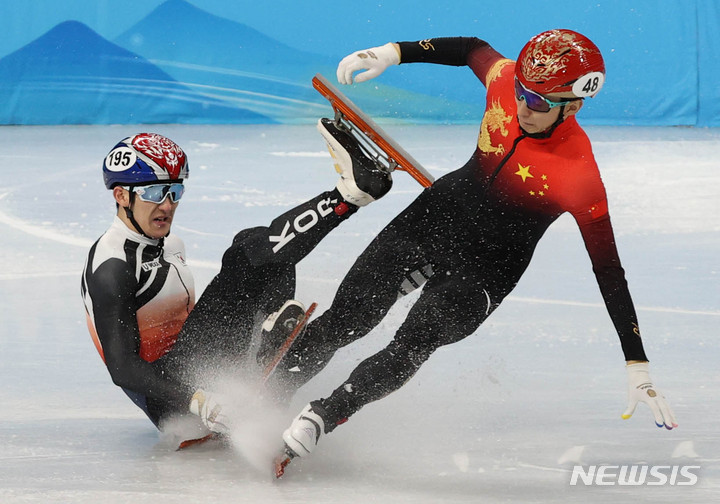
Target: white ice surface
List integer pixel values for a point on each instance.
(499, 417)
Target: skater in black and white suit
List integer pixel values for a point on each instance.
(158, 345)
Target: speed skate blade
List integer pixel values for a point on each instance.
(281, 462)
(198, 441)
(350, 115)
(285, 347)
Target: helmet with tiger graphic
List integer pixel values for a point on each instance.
(561, 62)
(145, 158)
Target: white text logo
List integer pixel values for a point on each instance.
(650, 475)
(148, 266)
(302, 223)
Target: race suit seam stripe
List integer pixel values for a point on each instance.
(504, 161)
(155, 285)
(184, 286)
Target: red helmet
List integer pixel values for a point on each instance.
(561, 61)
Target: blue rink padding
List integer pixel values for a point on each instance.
(179, 63)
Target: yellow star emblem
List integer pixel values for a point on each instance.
(524, 172)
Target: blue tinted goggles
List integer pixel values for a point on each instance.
(157, 193)
(534, 101)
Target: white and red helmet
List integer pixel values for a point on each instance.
(560, 62)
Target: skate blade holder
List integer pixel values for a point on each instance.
(379, 157)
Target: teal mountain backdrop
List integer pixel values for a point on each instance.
(181, 64)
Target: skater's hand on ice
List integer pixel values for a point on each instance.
(641, 389)
(207, 407)
(374, 61)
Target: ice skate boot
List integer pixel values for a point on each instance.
(362, 180)
(305, 431)
(302, 436)
(277, 328)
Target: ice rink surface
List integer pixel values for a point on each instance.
(502, 416)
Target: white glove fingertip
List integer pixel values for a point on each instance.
(343, 71)
(670, 414)
(630, 410)
(344, 74)
(668, 417)
(657, 414)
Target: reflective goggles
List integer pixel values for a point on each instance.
(537, 102)
(157, 193)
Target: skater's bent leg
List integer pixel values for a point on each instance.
(294, 234)
(373, 379)
(257, 275)
(378, 278)
(218, 330)
(446, 312)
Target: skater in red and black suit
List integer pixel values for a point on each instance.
(470, 236)
(157, 344)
